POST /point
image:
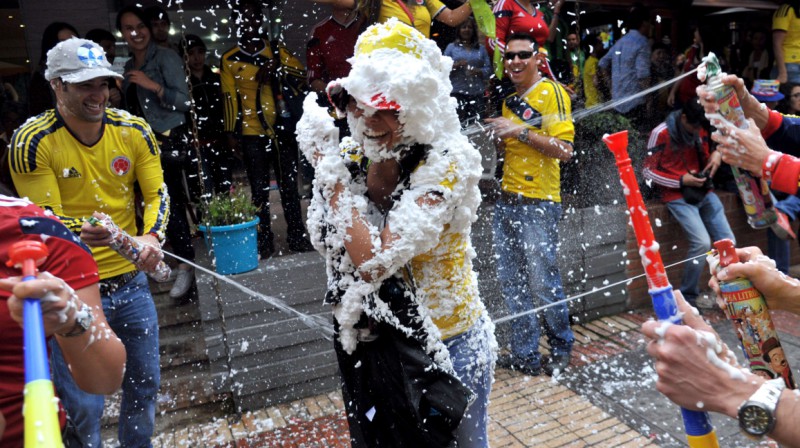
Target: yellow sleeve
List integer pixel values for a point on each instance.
(29, 160)
(291, 63)
(782, 17)
(434, 7)
(151, 181)
(557, 121)
(229, 96)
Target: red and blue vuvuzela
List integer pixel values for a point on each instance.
(41, 407)
(699, 431)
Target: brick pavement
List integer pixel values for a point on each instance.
(524, 412)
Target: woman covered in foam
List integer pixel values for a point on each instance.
(398, 200)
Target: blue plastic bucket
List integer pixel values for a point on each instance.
(235, 247)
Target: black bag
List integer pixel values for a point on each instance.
(695, 195)
(395, 395)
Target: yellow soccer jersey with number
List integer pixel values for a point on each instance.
(423, 11)
(58, 173)
(527, 171)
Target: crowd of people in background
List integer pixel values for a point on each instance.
(539, 65)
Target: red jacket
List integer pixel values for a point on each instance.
(666, 163)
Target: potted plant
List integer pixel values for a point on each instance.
(233, 224)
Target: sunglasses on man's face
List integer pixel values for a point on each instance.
(510, 55)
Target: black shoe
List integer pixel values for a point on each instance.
(516, 365)
(266, 250)
(556, 365)
(301, 245)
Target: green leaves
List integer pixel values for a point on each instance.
(230, 209)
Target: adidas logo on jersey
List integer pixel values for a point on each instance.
(71, 173)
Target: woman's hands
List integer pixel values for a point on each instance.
(139, 78)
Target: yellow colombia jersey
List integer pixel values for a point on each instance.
(424, 11)
(785, 19)
(445, 276)
(55, 171)
(244, 97)
(527, 171)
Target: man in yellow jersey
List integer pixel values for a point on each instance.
(786, 43)
(537, 132)
(251, 108)
(78, 159)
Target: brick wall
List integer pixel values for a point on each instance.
(671, 238)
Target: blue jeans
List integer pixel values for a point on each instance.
(131, 313)
(525, 241)
(703, 224)
(473, 356)
(778, 249)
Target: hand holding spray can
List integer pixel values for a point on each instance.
(747, 310)
(129, 248)
(758, 203)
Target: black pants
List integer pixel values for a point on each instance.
(175, 162)
(216, 166)
(261, 153)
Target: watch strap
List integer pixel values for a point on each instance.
(83, 320)
(769, 393)
(523, 136)
(766, 397)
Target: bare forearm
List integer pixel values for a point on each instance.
(551, 146)
(96, 357)
(787, 429)
(777, 46)
(787, 414)
(96, 360)
(455, 17)
(754, 109)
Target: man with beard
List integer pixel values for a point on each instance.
(80, 159)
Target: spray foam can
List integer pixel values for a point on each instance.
(758, 202)
(747, 310)
(129, 248)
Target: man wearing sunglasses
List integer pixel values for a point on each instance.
(536, 132)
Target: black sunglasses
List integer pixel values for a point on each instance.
(510, 55)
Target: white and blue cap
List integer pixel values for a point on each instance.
(77, 60)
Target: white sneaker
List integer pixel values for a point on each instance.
(183, 282)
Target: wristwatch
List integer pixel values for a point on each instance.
(83, 320)
(523, 136)
(757, 414)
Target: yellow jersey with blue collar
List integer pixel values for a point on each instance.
(546, 110)
(59, 173)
